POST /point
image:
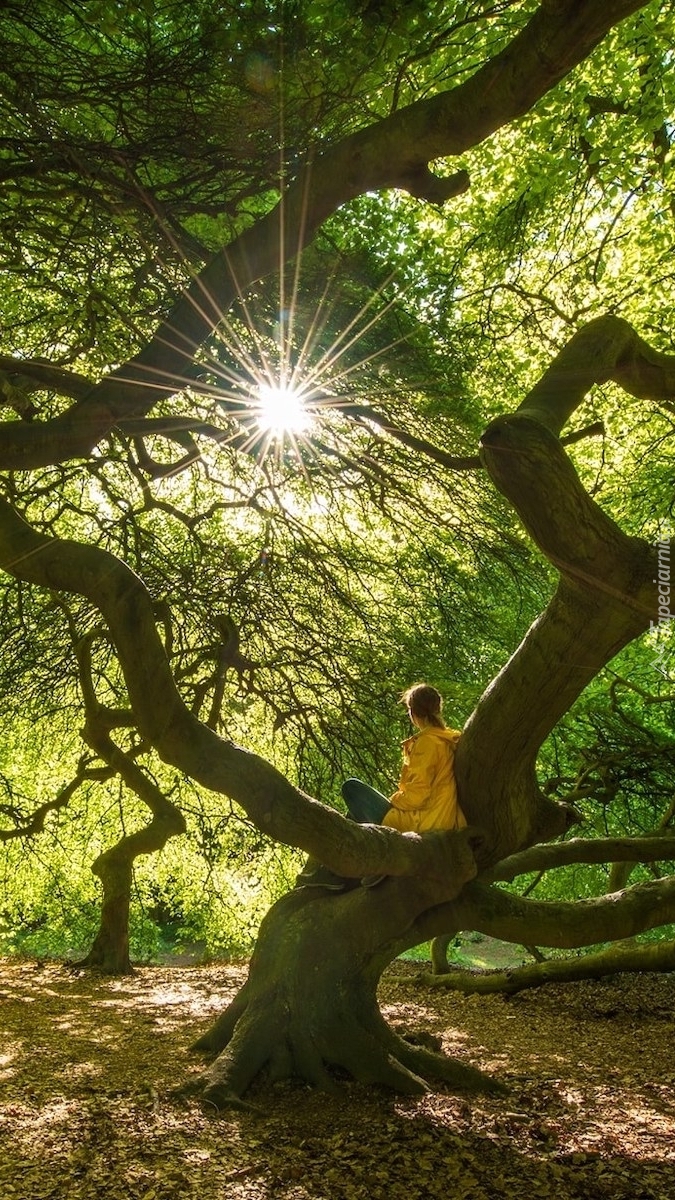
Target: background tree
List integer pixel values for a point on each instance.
(249, 149)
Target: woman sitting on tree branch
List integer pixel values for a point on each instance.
(426, 797)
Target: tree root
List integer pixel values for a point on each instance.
(352, 1037)
(309, 1006)
(100, 965)
(219, 1035)
(458, 1076)
(217, 1099)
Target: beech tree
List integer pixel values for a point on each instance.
(190, 241)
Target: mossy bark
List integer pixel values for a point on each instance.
(309, 1005)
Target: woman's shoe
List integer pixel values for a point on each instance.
(321, 877)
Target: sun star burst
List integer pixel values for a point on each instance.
(280, 409)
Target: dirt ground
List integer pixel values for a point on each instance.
(90, 1067)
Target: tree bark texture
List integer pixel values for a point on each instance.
(309, 1004)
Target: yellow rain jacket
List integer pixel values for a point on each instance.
(427, 791)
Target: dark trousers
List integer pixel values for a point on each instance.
(366, 806)
(364, 803)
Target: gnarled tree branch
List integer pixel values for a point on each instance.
(584, 850)
(654, 956)
(560, 924)
(392, 153)
(35, 823)
(273, 804)
(605, 598)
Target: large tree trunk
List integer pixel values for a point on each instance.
(310, 1002)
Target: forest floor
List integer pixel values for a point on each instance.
(90, 1067)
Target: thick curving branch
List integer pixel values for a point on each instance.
(163, 721)
(606, 597)
(564, 925)
(28, 375)
(391, 153)
(605, 349)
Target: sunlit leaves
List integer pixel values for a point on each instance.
(300, 582)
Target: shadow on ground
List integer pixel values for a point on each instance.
(89, 1070)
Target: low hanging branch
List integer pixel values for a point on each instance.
(542, 858)
(562, 925)
(272, 803)
(35, 823)
(629, 956)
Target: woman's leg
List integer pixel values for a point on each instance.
(365, 804)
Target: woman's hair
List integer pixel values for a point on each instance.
(424, 702)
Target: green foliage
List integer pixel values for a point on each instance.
(50, 900)
(208, 891)
(299, 590)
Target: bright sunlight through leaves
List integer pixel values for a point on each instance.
(281, 410)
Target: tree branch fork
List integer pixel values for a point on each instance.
(393, 152)
(606, 598)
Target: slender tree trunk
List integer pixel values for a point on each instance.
(109, 951)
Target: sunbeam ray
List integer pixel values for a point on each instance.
(275, 380)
